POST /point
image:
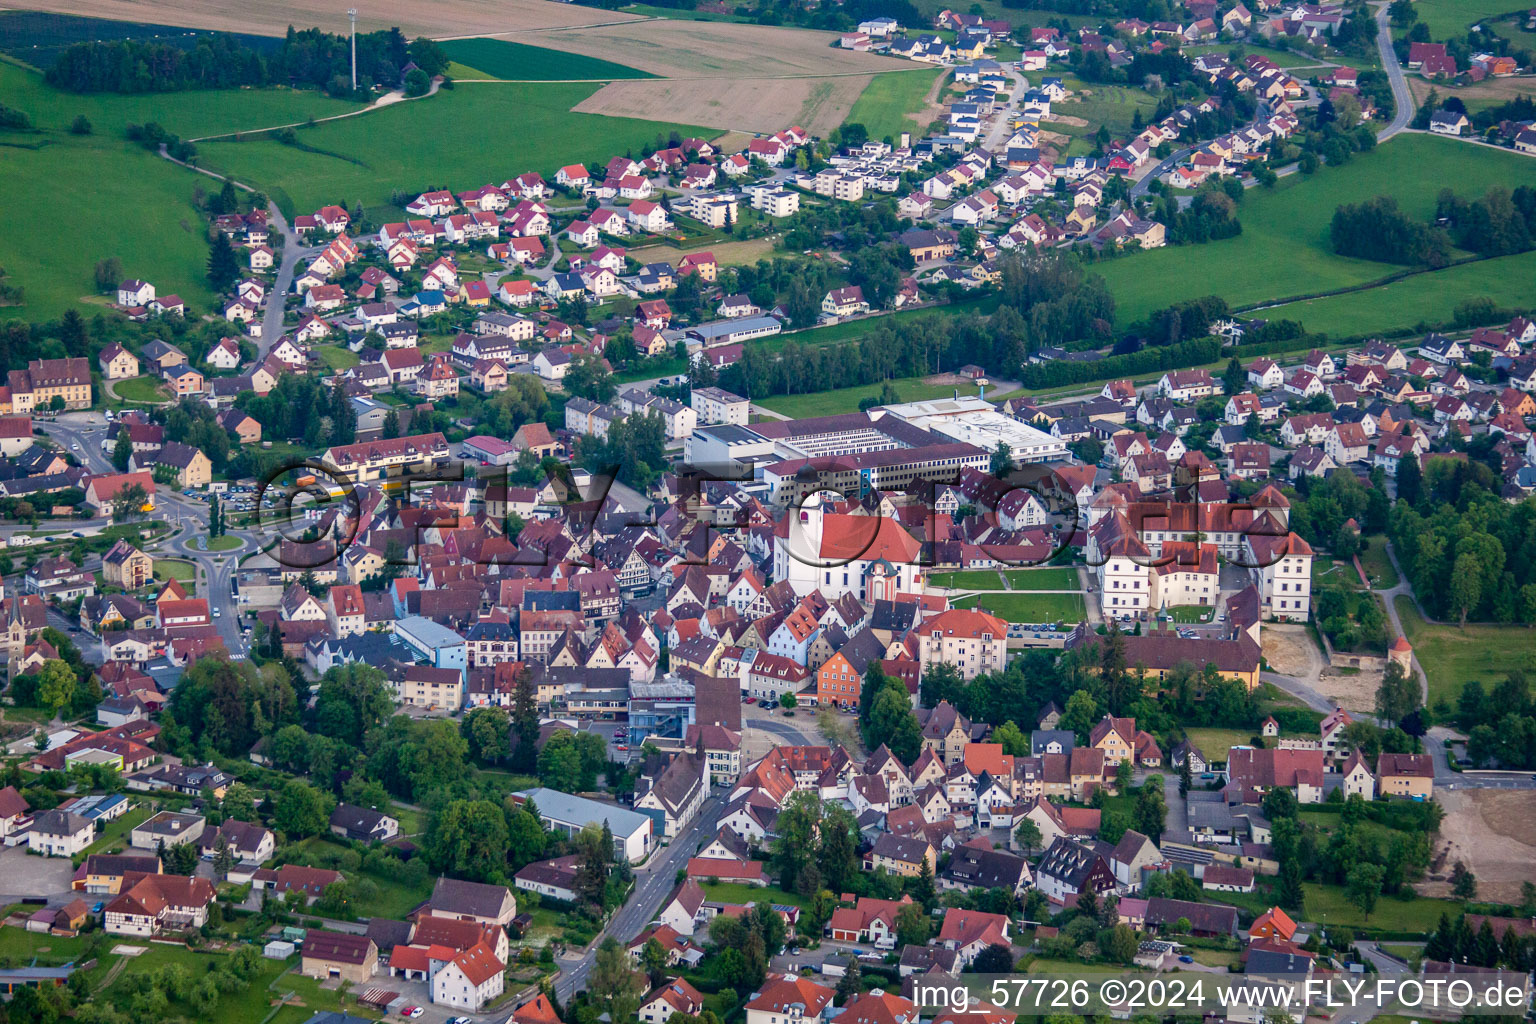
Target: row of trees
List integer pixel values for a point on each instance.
(1468, 553)
(1500, 223)
(308, 58)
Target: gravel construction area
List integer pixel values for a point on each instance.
(1494, 832)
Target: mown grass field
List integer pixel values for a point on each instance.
(501, 58)
(1111, 105)
(1033, 609)
(139, 389)
(189, 114)
(1429, 298)
(888, 103)
(840, 400)
(1451, 655)
(349, 159)
(1448, 19)
(1058, 578)
(971, 579)
(1284, 249)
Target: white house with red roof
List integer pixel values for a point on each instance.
(432, 204)
(647, 216)
(572, 176)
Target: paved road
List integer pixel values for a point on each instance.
(1402, 98)
(653, 881)
(189, 516)
(294, 251)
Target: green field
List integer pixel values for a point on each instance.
(1214, 743)
(740, 892)
(501, 58)
(972, 579)
(464, 150)
(890, 102)
(190, 114)
(841, 400)
(680, 14)
(1448, 19)
(1326, 904)
(1450, 655)
(175, 569)
(224, 543)
(1111, 105)
(1428, 298)
(1030, 608)
(122, 201)
(1284, 248)
(1059, 578)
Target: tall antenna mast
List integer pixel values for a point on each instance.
(352, 17)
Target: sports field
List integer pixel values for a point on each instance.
(1284, 249)
(841, 400)
(895, 102)
(1030, 608)
(364, 159)
(501, 58)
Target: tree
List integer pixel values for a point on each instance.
(913, 925)
(1398, 696)
(352, 699)
(122, 451)
(468, 839)
(130, 501)
(1186, 777)
(526, 838)
(614, 983)
(851, 984)
(1362, 887)
(301, 810)
(788, 701)
(1466, 585)
(525, 722)
(1151, 812)
(995, 959)
(1028, 835)
(653, 961)
(223, 263)
(108, 274)
(56, 685)
(922, 886)
(486, 730)
(1012, 739)
(1463, 882)
(1234, 378)
(1121, 944)
(417, 82)
(81, 125)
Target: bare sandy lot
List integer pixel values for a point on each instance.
(439, 19)
(1494, 832)
(702, 49)
(1290, 650)
(741, 104)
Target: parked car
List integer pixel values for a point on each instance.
(411, 1012)
(1186, 959)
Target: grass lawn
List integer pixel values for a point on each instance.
(1377, 565)
(1030, 608)
(740, 892)
(1428, 298)
(115, 835)
(225, 543)
(889, 103)
(175, 569)
(344, 158)
(500, 58)
(1214, 743)
(1450, 655)
(1281, 58)
(338, 357)
(1214, 957)
(1326, 904)
(1191, 613)
(841, 400)
(140, 389)
(1284, 248)
(974, 579)
(1057, 578)
(250, 1006)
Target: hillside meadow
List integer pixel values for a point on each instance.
(1284, 249)
(459, 139)
(891, 103)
